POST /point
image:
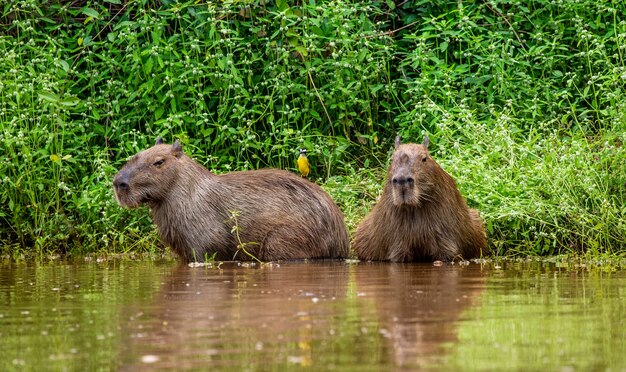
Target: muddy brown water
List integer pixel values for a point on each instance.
(146, 315)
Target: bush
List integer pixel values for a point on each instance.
(524, 103)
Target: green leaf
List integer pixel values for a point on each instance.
(158, 113)
(206, 132)
(147, 67)
(315, 114)
(91, 13)
(376, 88)
(70, 101)
(64, 65)
(48, 96)
(302, 50)
(282, 5)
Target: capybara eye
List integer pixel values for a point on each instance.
(424, 159)
(158, 163)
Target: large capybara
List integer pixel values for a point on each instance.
(421, 215)
(278, 214)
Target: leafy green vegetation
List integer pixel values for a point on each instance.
(524, 103)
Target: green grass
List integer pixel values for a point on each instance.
(524, 103)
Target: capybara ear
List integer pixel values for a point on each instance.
(398, 142)
(177, 149)
(426, 140)
(159, 141)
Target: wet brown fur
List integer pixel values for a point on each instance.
(421, 215)
(281, 215)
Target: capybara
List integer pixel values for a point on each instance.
(278, 214)
(421, 215)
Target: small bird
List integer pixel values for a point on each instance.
(303, 163)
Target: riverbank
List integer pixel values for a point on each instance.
(605, 262)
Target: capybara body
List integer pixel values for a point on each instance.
(278, 214)
(421, 215)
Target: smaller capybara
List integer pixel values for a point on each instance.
(278, 214)
(421, 215)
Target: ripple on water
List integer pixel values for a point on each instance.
(125, 315)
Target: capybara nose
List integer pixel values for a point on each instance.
(120, 183)
(401, 180)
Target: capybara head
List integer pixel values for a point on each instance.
(148, 176)
(411, 173)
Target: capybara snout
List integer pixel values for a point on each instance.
(120, 182)
(411, 174)
(400, 180)
(121, 187)
(148, 176)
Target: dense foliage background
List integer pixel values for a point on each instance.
(524, 102)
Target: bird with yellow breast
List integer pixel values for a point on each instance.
(303, 163)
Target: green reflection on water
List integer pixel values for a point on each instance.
(67, 316)
(128, 314)
(545, 319)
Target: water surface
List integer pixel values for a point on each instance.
(129, 315)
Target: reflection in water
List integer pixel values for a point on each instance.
(236, 316)
(66, 316)
(133, 315)
(419, 305)
(295, 312)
